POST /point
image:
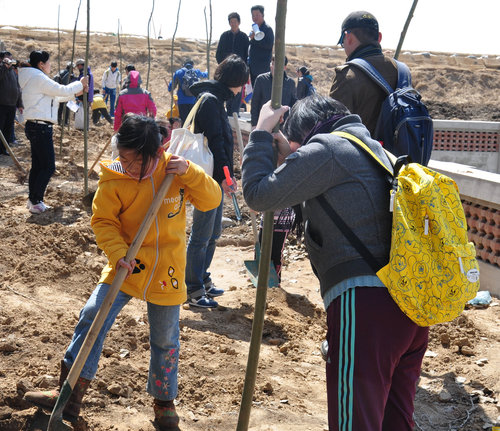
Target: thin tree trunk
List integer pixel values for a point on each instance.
(58, 40)
(209, 35)
(267, 237)
(149, 45)
(68, 76)
(120, 47)
(405, 29)
(86, 108)
(172, 58)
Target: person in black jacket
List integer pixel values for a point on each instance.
(261, 51)
(10, 96)
(211, 120)
(263, 88)
(236, 42)
(64, 77)
(304, 83)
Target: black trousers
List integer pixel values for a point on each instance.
(43, 161)
(96, 115)
(7, 116)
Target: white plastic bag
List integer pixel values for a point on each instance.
(79, 117)
(195, 148)
(194, 145)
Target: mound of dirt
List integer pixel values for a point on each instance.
(50, 264)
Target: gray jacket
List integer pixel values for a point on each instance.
(351, 182)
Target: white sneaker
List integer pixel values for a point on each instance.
(45, 207)
(29, 204)
(37, 208)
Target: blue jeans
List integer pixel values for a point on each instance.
(43, 159)
(206, 229)
(163, 339)
(111, 93)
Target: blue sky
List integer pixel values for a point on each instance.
(438, 25)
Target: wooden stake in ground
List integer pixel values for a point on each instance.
(267, 237)
(405, 29)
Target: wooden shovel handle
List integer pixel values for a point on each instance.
(13, 157)
(120, 276)
(98, 158)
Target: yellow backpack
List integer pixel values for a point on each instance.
(432, 270)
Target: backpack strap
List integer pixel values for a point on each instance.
(373, 73)
(349, 234)
(189, 123)
(365, 147)
(404, 75)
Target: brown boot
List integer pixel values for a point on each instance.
(47, 399)
(165, 415)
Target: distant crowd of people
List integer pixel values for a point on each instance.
(373, 352)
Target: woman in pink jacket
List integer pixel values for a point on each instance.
(133, 99)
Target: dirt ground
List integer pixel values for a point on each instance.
(50, 264)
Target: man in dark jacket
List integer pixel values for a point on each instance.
(236, 42)
(263, 88)
(261, 51)
(10, 96)
(361, 38)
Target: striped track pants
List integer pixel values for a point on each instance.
(374, 359)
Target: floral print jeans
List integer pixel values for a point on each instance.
(163, 338)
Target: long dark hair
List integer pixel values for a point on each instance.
(141, 134)
(38, 56)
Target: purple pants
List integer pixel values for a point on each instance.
(374, 358)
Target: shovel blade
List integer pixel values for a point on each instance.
(252, 267)
(56, 418)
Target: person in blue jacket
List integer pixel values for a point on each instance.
(185, 101)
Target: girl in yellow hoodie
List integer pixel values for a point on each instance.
(126, 189)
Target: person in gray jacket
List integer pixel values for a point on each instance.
(375, 351)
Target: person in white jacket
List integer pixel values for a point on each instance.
(111, 80)
(41, 96)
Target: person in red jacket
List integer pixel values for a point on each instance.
(133, 99)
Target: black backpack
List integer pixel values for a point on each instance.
(62, 76)
(404, 125)
(188, 79)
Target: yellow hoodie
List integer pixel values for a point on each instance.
(119, 207)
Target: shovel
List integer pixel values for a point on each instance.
(252, 266)
(21, 176)
(55, 421)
